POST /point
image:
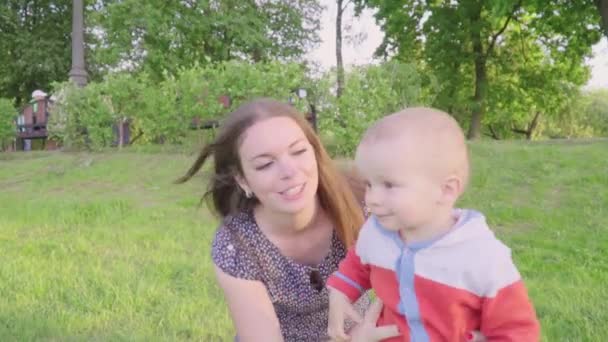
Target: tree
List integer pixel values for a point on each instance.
(8, 112)
(529, 85)
(596, 111)
(34, 46)
(340, 8)
(602, 7)
(159, 112)
(160, 36)
(371, 92)
(459, 39)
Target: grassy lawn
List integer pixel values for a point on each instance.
(102, 246)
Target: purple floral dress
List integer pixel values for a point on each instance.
(241, 250)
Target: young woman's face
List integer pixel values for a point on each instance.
(279, 165)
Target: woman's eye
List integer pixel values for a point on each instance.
(388, 185)
(368, 185)
(263, 166)
(298, 152)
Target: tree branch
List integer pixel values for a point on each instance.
(519, 130)
(489, 135)
(504, 27)
(523, 49)
(534, 123)
(494, 135)
(345, 5)
(141, 133)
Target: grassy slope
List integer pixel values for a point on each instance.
(103, 246)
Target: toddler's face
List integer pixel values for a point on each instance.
(401, 191)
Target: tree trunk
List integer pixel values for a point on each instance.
(602, 6)
(121, 133)
(339, 61)
(528, 132)
(532, 126)
(481, 58)
(480, 85)
(256, 55)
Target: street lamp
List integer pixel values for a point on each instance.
(78, 73)
(301, 92)
(311, 116)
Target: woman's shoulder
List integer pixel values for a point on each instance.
(233, 230)
(231, 248)
(234, 224)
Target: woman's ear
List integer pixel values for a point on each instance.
(242, 183)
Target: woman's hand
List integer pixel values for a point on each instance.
(367, 331)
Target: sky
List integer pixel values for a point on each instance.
(362, 53)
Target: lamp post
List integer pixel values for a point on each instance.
(78, 73)
(302, 94)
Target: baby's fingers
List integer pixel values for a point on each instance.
(337, 335)
(352, 313)
(383, 332)
(335, 329)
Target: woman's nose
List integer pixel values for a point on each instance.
(287, 168)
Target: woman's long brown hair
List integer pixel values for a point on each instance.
(335, 189)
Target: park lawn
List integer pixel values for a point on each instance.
(102, 246)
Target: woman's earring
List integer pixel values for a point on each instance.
(248, 193)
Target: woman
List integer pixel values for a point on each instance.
(288, 216)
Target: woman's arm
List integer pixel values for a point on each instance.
(251, 309)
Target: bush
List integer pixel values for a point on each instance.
(7, 122)
(162, 112)
(586, 117)
(370, 93)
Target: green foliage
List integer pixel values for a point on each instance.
(80, 117)
(586, 116)
(159, 37)
(371, 92)
(596, 110)
(200, 88)
(154, 36)
(154, 113)
(34, 46)
(162, 112)
(8, 112)
(470, 47)
(527, 83)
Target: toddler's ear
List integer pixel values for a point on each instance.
(451, 189)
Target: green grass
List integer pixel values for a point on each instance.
(102, 246)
